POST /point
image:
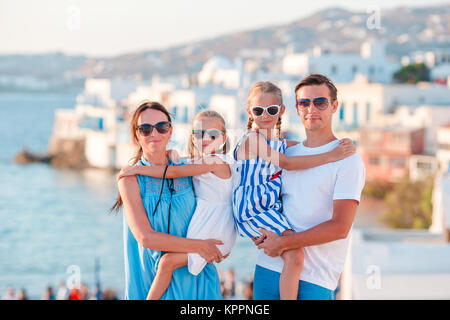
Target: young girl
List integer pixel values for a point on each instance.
(213, 217)
(257, 182)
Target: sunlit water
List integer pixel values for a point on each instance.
(51, 219)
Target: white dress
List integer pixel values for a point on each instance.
(213, 216)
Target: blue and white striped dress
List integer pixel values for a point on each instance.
(256, 193)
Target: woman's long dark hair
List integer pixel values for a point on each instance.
(134, 120)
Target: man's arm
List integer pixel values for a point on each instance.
(336, 228)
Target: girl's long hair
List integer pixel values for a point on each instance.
(134, 120)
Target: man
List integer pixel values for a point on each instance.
(320, 203)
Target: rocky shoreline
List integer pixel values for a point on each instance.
(62, 153)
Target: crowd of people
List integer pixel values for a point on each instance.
(64, 293)
(229, 287)
(232, 289)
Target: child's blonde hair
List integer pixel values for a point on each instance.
(264, 87)
(211, 114)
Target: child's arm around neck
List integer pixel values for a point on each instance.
(256, 146)
(199, 166)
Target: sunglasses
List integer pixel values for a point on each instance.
(320, 103)
(212, 133)
(271, 110)
(147, 129)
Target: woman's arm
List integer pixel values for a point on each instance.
(258, 146)
(205, 165)
(139, 224)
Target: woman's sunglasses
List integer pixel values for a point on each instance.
(212, 133)
(271, 110)
(320, 103)
(147, 129)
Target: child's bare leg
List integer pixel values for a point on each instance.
(168, 263)
(293, 263)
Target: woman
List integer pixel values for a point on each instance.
(157, 215)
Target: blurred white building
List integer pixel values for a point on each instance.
(371, 63)
(98, 119)
(430, 58)
(219, 71)
(103, 110)
(223, 86)
(375, 104)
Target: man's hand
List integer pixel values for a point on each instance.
(271, 244)
(258, 240)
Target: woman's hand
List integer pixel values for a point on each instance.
(209, 251)
(128, 171)
(345, 149)
(225, 256)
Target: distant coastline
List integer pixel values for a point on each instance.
(67, 90)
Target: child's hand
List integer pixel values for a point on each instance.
(173, 154)
(345, 149)
(127, 171)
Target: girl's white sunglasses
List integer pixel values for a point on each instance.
(271, 110)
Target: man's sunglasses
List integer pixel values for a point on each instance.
(320, 103)
(271, 110)
(212, 133)
(147, 129)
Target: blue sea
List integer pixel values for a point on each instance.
(53, 219)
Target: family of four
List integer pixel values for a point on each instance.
(295, 200)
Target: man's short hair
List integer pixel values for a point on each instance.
(317, 80)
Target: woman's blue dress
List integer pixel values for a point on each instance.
(141, 263)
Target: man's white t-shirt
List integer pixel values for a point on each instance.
(308, 201)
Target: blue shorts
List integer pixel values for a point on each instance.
(266, 286)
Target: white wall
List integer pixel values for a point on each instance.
(443, 154)
(65, 124)
(399, 264)
(151, 93)
(296, 64)
(359, 95)
(125, 152)
(97, 150)
(386, 98)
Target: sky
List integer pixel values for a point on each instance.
(112, 27)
